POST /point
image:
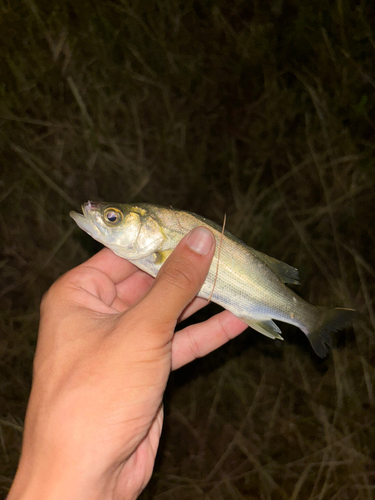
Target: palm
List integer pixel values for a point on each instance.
(137, 471)
(106, 346)
(120, 286)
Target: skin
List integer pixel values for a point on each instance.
(106, 347)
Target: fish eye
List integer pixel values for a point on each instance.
(112, 216)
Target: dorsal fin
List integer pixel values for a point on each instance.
(287, 273)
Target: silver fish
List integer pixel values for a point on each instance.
(249, 283)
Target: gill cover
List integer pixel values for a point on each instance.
(135, 233)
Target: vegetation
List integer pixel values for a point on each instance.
(260, 110)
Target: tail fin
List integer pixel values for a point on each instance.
(331, 320)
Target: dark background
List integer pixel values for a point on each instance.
(263, 110)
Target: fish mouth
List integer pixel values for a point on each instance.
(80, 220)
(85, 221)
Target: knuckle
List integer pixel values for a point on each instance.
(180, 274)
(51, 297)
(52, 294)
(223, 326)
(44, 302)
(194, 346)
(57, 291)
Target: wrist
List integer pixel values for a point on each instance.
(59, 461)
(52, 480)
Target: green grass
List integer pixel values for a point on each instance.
(260, 110)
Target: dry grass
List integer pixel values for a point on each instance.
(262, 110)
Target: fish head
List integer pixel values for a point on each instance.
(130, 231)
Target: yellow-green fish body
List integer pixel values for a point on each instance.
(248, 283)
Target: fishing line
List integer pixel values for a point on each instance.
(218, 257)
(175, 214)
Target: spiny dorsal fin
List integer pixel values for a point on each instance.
(287, 273)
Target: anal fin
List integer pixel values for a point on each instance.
(265, 327)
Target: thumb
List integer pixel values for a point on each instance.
(180, 278)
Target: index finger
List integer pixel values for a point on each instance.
(115, 267)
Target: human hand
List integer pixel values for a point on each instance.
(105, 349)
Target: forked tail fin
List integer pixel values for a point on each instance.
(331, 320)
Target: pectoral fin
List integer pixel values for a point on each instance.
(161, 257)
(287, 273)
(266, 327)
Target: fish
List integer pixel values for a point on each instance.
(245, 281)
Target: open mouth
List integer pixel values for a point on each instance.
(85, 211)
(82, 220)
(86, 221)
(77, 217)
